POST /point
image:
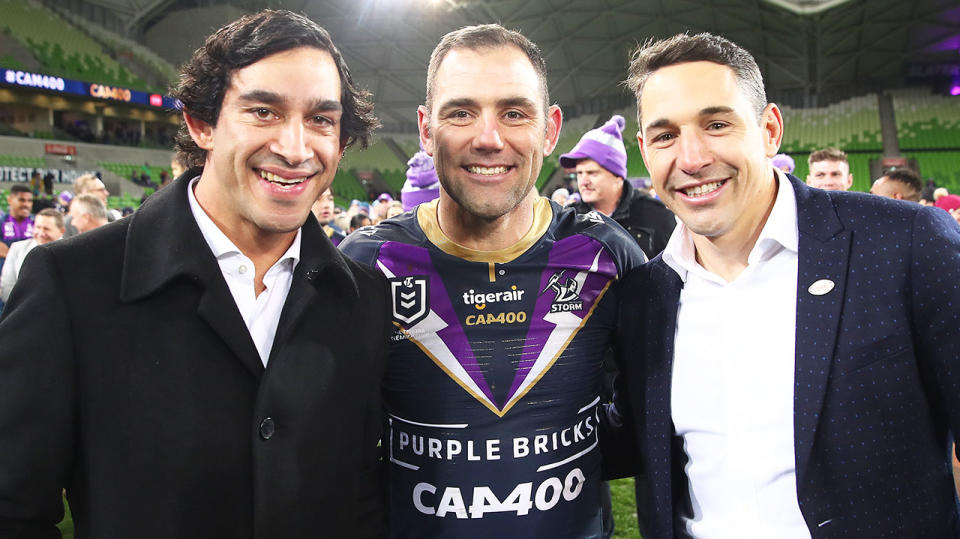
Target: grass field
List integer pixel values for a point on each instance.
(621, 491)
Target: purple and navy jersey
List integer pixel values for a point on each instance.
(492, 390)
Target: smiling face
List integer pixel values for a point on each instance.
(275, 146)
(45, 229)
(830, 175)
(488, 140)
(707, 152)
(20, 204)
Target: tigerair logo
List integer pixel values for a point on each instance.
(482, 299)
(567, 293)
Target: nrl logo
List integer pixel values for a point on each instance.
(566, 298)
(410, 299)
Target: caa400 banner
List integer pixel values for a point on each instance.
(89, 89)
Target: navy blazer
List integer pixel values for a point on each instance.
(877, 372)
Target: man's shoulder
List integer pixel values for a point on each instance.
(362, 245)
(569, 221)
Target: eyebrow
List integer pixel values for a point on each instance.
(273, 98)
(515, 101)
(709, 111)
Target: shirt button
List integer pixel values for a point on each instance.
(267, 428)
(242, 269)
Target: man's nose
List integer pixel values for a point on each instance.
(489, 139)
(693, 153)
(291, 144)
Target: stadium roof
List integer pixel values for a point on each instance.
(810, 51)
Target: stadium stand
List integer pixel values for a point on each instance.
(851, 125)
(926, 121)
(62, 49)
(941, 166)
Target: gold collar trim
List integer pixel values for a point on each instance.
(427, 219)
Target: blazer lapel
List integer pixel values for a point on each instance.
(824, 252)
(164, 244)
(661, 324)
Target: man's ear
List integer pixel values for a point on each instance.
(423, 125)
(554, 123)
(200, 131)
(772, 125)
(849, 181)
(643, 149)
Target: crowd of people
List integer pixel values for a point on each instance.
(270, 365)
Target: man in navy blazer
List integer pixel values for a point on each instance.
(790, 361)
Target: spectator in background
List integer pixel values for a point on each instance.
(89, 184)
(36, 182)
(829, 170)
(394, 209)
(422, 184)
(176, 167)
(17, 224)
(600, 159)
(945, 201)
(47, 227)
(87, 212)
(358, 221)
(900, 184)
(323, 210)
(63, 202)
(342, 221)
(783, 162)
(378, 210)
(560, 196)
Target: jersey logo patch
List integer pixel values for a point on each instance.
(567, 298)
(410, 298)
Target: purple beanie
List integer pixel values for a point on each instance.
(783, 160)
(604, 145)
(422, 184)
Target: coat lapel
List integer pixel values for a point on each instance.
(321, 267)
(824, 252)
(661, 324)
(165, 244)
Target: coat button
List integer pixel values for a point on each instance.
(267, 428)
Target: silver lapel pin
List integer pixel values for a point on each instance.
(821, 287)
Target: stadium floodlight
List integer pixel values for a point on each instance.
(807, 7)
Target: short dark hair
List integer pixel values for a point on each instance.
(827, 154)
(704, 47)
(909, 178)
(54, 214)
(19, 188)
(487, 36)
(204, 79)
(357, 220)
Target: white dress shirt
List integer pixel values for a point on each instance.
(260, 313)
(732, 390)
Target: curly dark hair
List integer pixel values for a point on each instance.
(204, 79)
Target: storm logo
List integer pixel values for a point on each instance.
(410, 301)
(566, 290)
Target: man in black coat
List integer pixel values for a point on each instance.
(600, 160)
(211, 366)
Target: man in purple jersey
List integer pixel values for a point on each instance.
(503, 313)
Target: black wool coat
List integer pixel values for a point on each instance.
(128, 377)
